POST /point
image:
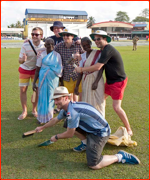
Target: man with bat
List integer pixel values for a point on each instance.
(84, 121)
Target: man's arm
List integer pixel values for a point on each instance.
(78, 83)
(95, 67)
(67, 134)
(23, 59)
(51, 123)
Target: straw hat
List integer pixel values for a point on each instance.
(101, 33)
(60, 92)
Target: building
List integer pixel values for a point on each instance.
(114, 28)
(11, 33)
(44, 18)
(122, 29)
(141, 29)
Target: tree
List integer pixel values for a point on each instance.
(140, 19)
(11, 26)
(17, 25)
(145, 13)
(91, 21)
(122, 16)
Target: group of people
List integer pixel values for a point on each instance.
(61, 83)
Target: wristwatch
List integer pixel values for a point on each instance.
(56, 137)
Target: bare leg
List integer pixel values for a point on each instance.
(75, 97)
(122, 115)
(106, 161)
(35, 103)
(80, 136)
(23, 98)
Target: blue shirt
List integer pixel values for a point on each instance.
(86, 117)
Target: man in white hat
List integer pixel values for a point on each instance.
(116, 79)
(66, 49)
(84, 121)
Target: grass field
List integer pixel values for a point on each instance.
(22, 159)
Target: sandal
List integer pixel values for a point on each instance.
(22, 116)
(35, 114)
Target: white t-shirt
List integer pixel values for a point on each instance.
(30, 63)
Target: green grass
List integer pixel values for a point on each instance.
(22, 159)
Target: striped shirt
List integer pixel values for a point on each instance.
(30, 63)
(65, 54)
(86, 117)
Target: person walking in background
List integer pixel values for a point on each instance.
(92, 83)
(85, 121)
(116, 79)
(48, 69)
(135, 39)
(27, 60)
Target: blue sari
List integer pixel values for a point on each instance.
(49, 74)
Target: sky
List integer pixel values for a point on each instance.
(13, 11)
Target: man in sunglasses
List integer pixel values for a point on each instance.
(66, 48)
(116, 79)
(27, 60)
(58, 28)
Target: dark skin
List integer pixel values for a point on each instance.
(49, 44)
(87, 47)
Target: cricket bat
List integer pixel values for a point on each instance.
(29, 133)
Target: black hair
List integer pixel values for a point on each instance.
(87, 40)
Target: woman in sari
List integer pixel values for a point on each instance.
(92, 83)
(49, 69)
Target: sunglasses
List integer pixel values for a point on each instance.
(66, 35)
(97, 39)
(32, 34)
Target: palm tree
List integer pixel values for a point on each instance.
(11, 26)
(19, 25)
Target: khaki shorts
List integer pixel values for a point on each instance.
(71, 85)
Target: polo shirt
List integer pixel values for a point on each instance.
(30, 63)
(65, 54)
(86, 117)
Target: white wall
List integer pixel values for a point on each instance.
(79, 29)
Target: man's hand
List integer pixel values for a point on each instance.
(39, 129)
(27, 40)
(78, 69)
(53, 139)
(24, 57)
(78, 41)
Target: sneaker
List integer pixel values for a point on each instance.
(80, 148)
(128, 158)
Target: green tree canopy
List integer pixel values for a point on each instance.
(140, 19)
(17, 25)
(145, 13)
(122, 16)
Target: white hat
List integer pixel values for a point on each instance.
(101, 33)
(60, 92)
(67, 31)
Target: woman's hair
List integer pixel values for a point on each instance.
(50, 39)
(86, 39)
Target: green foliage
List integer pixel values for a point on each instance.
(140, 19)
(145, 13)
(122, 16)
(17, 25)
(22, 159)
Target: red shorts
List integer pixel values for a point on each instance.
(116, 90)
